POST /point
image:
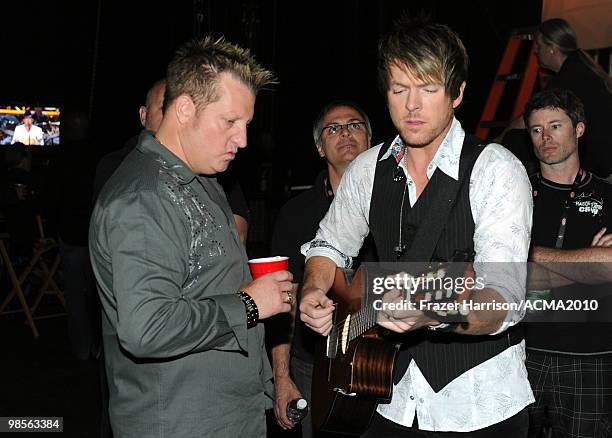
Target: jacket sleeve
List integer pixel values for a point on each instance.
(149, 249)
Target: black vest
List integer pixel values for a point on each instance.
(441, 357)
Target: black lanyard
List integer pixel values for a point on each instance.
(566, 207)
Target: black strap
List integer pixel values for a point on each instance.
(427, 237)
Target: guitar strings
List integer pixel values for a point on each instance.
(365, 313)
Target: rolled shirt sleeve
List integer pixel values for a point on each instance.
(345, 226)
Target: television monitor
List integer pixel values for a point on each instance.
(45, 118)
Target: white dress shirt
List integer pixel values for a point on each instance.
(32, 137)
(501, 205)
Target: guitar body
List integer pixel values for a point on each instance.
(350, 376)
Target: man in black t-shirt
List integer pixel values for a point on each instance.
(569, 363)
(341, 132)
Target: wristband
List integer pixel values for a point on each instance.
(252, 312)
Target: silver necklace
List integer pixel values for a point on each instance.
(400, 249)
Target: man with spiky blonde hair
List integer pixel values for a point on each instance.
(185, 352)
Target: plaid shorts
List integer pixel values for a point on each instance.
(573, 395)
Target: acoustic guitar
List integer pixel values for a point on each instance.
(354, 365)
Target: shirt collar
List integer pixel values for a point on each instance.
(447, 156)
(148, 144)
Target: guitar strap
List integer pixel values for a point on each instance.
(445, 197)
(427, 237)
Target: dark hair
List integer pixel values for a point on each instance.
(316, 127)
(430, 52)
(556, 98)
(197, 65)
(557, 31)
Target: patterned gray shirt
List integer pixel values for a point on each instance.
(168, 262)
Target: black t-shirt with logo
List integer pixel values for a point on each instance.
(590, 210)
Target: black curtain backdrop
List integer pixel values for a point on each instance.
(320, 50)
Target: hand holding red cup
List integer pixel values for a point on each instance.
(272, 293)
(267, 265)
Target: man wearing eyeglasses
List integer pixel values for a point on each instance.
(429, 193)
(341, 131)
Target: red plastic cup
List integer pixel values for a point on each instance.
(267, 265)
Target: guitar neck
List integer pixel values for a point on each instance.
(361, 322)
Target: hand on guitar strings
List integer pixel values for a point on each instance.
(286, 391)
(425, 300)
(399, 316)
(316, 310)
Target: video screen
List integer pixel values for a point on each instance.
(30, 125)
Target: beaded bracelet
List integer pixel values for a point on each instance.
(252, 312)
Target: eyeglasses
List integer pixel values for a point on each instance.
(336, 128)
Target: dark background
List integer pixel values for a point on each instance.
(101, 56)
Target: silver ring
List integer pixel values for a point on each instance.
(289, 298)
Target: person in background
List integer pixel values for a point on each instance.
(183, 343)
(341, 131)
(557, 49)
(28, 133)
(569, 363)
(573, 69)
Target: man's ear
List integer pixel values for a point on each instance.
(457, 101)
(142, 112)
(184, 109)
(580, 127)
(320, 150)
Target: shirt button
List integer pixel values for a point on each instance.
(412, 397)
(420, 400)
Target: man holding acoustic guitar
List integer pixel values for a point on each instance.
(430, 193)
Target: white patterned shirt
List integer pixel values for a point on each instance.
(32, 137)
(501, 205)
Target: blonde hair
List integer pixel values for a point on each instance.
(432, 53)
(197, 65)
